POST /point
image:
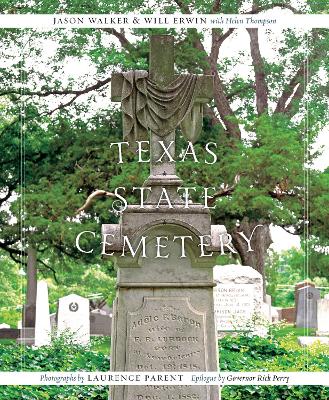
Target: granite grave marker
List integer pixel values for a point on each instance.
(306, 315)
(163, 315)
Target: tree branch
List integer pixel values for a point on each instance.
(79, 92)
(119, 35)
(256, 10)
(96, 193)
(63, 105)
(225, 111)
(259, 69)
(183, 7)
(216, 6)
(291, 87)
(240, 90)
(50, 268)
(6, 197)
(209, 112)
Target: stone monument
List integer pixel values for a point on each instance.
(306, 315)
(238, 297)
(323, 317)
(300, 285)
(163, 316)
(73, 318)
(42, 317)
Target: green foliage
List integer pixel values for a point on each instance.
(244, 353)
(11, 295)
(291, 267)
(62, 355)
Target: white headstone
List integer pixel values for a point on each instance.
(42, 317)
(73, 317)
(4, 326)
(19, 324)
(238, 298)
(323, 317)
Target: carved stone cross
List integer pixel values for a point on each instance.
(161, 71)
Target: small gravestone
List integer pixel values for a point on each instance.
(73, 318)
(100, 323)
(53, 322)
(307, 307)
(42, 317)
(4, 326)
(238, 298)
(300, 285)
(323, 317)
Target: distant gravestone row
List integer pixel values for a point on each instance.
(73, 319)
(238, 307)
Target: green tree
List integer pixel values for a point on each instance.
(260, 177)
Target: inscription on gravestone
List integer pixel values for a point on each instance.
(234, 305)
(166, 335)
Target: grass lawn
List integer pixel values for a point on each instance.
(285, 330)
(102, 344)
(7, 341)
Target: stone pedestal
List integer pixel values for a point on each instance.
(163, 317)
(323, 317)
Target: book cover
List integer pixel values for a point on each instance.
(164, 199)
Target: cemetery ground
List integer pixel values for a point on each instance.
(279, 351)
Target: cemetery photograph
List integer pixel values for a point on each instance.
(164, 198)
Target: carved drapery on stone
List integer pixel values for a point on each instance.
(148, 107)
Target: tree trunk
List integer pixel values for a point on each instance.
(31, 290)
(260, 242)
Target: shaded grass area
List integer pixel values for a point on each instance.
(289, 329)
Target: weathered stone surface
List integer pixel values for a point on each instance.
(238, 297)
(309, 340)
(27, 336)
(323, 317)
(166, 334)
(100, 323)
(306, 316)
(300, 285)
(42, 318)
(73, 317)
(275, 314)
(288, 314)
(164, 322)
(163, 315)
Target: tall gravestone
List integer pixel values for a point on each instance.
(306, 316)
(42, 317)
(163, 316)
(323, 317)
(73, 318)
